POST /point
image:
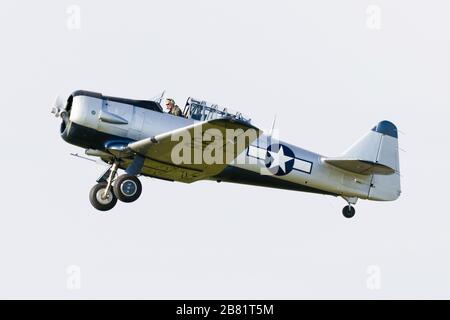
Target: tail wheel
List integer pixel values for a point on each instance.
(99, 200)
(127, 188)
(348, 211)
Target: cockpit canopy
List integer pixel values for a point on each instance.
(203, 111)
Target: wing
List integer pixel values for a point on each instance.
(197, 151)
(359, 166)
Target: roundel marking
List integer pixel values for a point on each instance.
(279, 159)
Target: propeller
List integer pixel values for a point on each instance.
(58, 106)
(58, 109)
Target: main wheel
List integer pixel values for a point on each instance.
(98, 201)
(127, 188)
(348, 211)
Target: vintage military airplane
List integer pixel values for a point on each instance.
(138, 137)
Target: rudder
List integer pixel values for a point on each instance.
(380, 145)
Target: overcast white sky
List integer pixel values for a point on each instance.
(319, 65)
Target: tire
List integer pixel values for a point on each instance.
(127, 188)
(348, 211)
(95, 197)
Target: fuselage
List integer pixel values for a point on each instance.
(128, 121)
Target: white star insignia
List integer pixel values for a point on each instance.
(279, 159)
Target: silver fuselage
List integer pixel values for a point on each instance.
(310, 173)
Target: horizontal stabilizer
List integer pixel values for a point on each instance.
(363, 167)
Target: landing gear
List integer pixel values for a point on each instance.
(100, 198)
(127, 188)
(348, 211)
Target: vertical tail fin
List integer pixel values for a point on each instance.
(380, 145)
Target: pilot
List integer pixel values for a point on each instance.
(173, 108)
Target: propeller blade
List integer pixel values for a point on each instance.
(59, 102)
(58, 106)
